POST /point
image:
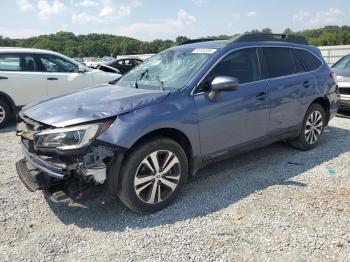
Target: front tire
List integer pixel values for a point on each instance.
(152, 176)
(312, 129)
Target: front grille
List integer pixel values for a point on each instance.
(344, 91)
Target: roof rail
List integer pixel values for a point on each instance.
(258, 37)
(191, 41)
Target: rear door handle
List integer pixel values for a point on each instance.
(306, 84)
(52, 78)
(3, 77)
(261, 96)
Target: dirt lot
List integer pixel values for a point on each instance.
(274, 203)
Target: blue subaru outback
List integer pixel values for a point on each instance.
(190, 105)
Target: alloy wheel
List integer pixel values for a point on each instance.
(2, 114)
(314, 127)
(157, 177)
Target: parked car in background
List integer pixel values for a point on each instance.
(108, 69)
(180, 110)
(107, 58)
(92, 62)
(28, 75)
(79, 60)
(342, 71)
(124, 65)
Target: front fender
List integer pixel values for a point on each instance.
(177, 112)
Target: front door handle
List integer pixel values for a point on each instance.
(52, 78)
(306, 84)
(3, 77)
(261, 96)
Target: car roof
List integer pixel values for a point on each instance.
(205, 44)
(251, 39)
(26, 50)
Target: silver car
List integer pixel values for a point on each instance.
(342, 70)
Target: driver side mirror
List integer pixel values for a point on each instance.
(222, 84)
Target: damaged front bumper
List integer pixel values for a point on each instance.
(52, 169)
(40, 167)
(39, 171)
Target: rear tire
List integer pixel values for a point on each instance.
(152, 176)
(5, 112)
(312, 128)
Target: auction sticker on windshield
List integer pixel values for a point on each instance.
(204, 51)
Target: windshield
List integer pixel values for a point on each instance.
(343, 63)
(168, 70)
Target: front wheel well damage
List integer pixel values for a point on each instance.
(114, 169)
(173, 134)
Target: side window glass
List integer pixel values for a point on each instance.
(57, 64)
(128, 62)
(310, 62)
(121, 62)
(299, 67)
(279, 61)
(137, 62)
(9, 62)
(242, 64)
(27, 63)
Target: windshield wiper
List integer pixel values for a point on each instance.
(136, 85)
(144, 73)
(162, 85)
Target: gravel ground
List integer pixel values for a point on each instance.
(274, 203)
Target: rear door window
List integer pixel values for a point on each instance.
(137, 62)
(10, 62)
(128, 62)
(17, 62)
(279, 61)
(309, 61)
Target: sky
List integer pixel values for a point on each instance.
(156, 19)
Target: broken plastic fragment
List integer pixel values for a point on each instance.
(332, 171)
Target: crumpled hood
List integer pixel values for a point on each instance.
(91, 104)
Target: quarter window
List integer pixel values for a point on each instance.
(309, 61)
(242, 64)
(279, 61)
(57, 64)
(298, 63)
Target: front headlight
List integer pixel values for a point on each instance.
(69, 138)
